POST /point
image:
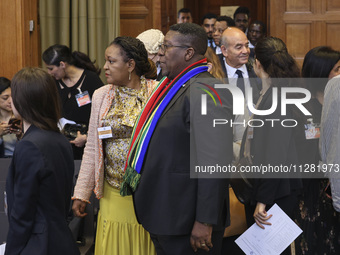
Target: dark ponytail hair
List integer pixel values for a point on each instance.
(56, 53)
(133, 48)
(275, 59)
(4, 84)
(278, 63)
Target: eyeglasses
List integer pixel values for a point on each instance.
(163, 47)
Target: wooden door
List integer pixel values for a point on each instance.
(305, 24)
(137, 16)
(169, 14)
(19, 46)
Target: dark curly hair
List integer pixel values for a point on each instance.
(133, 48)
(56, 53)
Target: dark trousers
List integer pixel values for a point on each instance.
(180, 245)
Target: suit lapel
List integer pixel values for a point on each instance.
(220, 56)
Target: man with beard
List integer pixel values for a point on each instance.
(208, 22)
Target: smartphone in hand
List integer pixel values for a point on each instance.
(14, 123)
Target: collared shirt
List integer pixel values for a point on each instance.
(233, 75)
(218, 50)
(251, 45)
(211, 43)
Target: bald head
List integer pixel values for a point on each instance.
(235, 47)
(232, 33)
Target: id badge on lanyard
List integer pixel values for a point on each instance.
(83, 98)
(312, 130)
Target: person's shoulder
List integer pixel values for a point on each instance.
(103, 90)
(151, 84)
(208, 78)
(90, 75)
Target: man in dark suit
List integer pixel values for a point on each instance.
(221, 24)
(235, 50)
(186, 215)
(208, 22)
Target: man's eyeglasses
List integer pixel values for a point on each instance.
(163, 47)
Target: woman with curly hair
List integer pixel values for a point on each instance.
(115, 107)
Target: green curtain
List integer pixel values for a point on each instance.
(83, 25)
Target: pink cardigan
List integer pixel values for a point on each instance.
(91, 174)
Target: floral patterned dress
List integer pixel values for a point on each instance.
(118, 231)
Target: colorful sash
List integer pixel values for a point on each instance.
(147, 121)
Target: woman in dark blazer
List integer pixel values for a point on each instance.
(272, 144)
(39, 181)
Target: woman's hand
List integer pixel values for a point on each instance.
(4, 128)
(261, 216)
(17, 131)
(78, 208)
(80, 140)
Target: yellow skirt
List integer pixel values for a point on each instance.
(118, 232)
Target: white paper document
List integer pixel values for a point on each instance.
(272, 240)
(62, 122)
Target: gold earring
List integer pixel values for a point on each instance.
(129, 76)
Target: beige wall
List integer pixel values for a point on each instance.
(180, 4)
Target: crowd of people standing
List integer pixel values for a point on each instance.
(142, 133)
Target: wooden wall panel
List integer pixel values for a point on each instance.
(298, 5)
(19, 47)
(8, 57)
(305, 24)
(132, 27)
(332, 5)
(333, 35)
(298, 39)
(168, 14)
(137, 16)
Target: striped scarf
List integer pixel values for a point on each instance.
(147, 121)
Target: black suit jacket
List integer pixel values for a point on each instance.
(167, 201)
(39, 186)
(254, 83)
(273, 146)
